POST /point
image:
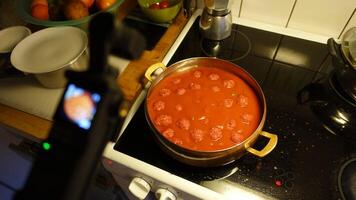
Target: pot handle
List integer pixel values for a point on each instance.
(268, 148)
(149, 74)
(336, 54)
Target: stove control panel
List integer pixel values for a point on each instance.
(139, 187)
(138, 179)
(165, 194)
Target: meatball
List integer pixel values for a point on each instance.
(229, 83)
(237, 136)
(158, 105)
(176, 80)
(168, 133)
(165, 92)
(164, 120)
(246, 118)
(197, 135)
(231, 124)
(228, 103)
(177, 141)
(181, 91)
(216, 133)
(197, 74)
(214, 77)
(183, 124)
(242, 100)
(216, 89)
(195, 86)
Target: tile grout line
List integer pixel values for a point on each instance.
(347, 23)
(240, 8)
(322, 63)
(291, 13)
(273, 60)
(320, 67)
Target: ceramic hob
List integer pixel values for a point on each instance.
(308, 160)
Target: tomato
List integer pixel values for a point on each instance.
(160, 5)
(88, 3)
(75, 9)
(104, 4)
(39, 2)
(40, 11)
(155, 6)
(164, 4)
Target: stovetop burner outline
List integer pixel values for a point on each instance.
(219, 46)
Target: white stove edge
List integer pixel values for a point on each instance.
(128, 168)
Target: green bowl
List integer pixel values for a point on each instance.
(160, 15)
(23, 8)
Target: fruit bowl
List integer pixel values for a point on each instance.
(24, 10)
(160, 11)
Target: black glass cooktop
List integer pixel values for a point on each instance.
(307, 160)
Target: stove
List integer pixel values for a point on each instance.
(308, 160)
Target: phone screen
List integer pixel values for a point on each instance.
(80, 105)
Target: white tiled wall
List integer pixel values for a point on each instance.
(269, 11)
(351, 23)
(323, 17)
(326, 18)
(235, 10)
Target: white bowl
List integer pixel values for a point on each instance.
(11, 36)
(49, 52)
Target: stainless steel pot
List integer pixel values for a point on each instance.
(219, 157)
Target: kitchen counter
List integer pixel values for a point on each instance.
(35, 127)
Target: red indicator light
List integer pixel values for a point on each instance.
(278, 183)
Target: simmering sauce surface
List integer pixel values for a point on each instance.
(204, 109)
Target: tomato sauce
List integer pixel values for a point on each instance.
(204, 109)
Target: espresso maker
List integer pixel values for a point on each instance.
(216, 20)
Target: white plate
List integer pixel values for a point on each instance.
(49, 49)
(11, 36)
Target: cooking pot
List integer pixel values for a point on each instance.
(213, 157)
(344, 62)
(328, 102)
(333, 99)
